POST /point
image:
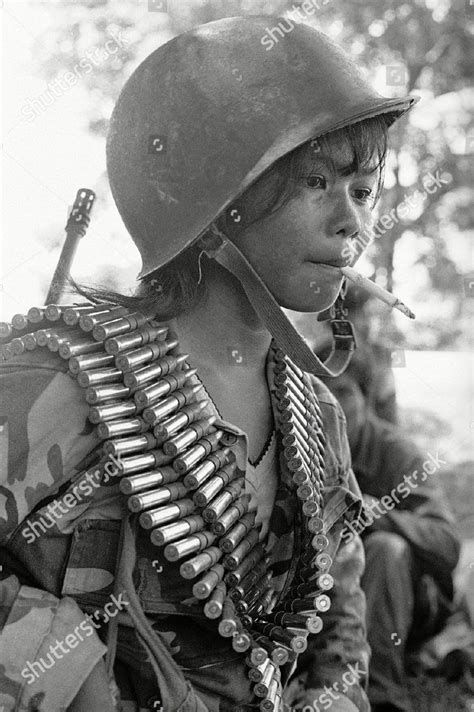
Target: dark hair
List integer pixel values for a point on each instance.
(178, 285)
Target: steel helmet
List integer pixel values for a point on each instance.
(208, 112)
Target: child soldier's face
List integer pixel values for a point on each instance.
(297, 250)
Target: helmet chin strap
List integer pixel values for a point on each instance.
(220, 248)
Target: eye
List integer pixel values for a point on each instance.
(315, 181)
(364, 194)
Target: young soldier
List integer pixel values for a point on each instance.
(241, 172)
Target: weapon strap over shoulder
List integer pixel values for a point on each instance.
(223, 250)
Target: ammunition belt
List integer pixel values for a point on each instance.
(182, 481)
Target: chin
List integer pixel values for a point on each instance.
(306, 308)
(315, 308)
(317, 303)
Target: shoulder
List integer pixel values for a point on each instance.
(38, 360)
(45, 432)
(39, 380)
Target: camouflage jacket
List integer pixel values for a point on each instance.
(59, 527)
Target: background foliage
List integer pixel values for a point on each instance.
(426, 258)
(428, 255)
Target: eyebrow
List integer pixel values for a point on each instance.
(346, 169)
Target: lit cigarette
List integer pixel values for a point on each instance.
(377, 291)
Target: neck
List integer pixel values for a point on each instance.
(223, 332)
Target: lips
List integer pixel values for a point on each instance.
(336, 263)
(332, 263)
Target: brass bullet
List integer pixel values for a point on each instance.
(168, 513)
(214, 607)
(203, 561)
(147, 480)
(174, 531)
(156, 498)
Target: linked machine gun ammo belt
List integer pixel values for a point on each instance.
(180, 476)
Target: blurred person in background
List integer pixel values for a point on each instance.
(409, 537)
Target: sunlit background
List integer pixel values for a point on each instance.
(54, 143)
(64, 62)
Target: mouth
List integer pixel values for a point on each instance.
(331, 263)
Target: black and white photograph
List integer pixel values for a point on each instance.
(236, 365)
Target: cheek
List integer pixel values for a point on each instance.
(307, 289)
(367, 217)
(270, 245)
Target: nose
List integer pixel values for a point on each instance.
(345, 218)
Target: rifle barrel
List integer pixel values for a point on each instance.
(76, 226)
